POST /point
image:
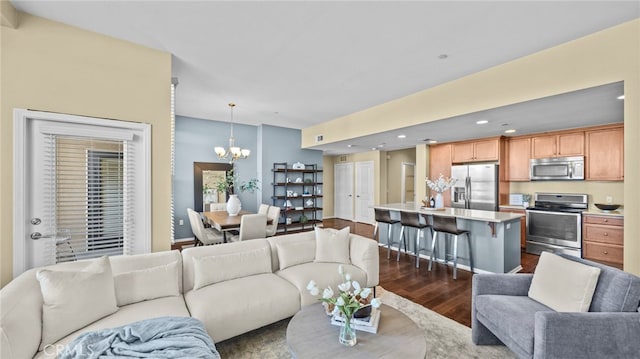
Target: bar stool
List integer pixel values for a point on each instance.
(449, 225)
(412, 220)
(384, 216)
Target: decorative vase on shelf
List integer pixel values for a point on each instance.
(347, 333)
(439, 201)
(233, 205)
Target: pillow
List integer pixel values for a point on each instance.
(146, 284)
(332, 245)
(290, 254)
(562, 284)
(73, 299)
(218, 268)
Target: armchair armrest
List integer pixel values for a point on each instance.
(364, 255)
(501, 284)
(587, 335)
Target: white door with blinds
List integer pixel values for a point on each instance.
(85, 189)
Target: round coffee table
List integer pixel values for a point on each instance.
(311, 335)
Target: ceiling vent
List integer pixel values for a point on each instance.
(319, 138)
(343, 158)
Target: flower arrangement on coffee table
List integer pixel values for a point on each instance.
(351, 297)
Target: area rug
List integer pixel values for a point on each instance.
(445, 337)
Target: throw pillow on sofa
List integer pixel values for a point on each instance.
(562, 284)
(147, 284)
(290, 254)
(217, 268)
(332, 245)
(73, 299)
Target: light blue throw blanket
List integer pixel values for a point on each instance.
(164, 337)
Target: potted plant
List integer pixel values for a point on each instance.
(230, 184)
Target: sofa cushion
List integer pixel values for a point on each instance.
(309, 236)
(235, 307)
(616, 291)
(129, 263)
(324, 274)
(73, 299)
(218, 268)
(161, 307)
(332, 245)
(511, 319)
(563, 285)
(146, 284)
(290, 254)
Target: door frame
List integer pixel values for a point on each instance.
(21, 118)
(403, 182)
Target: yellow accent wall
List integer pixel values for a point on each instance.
(604, 57)
(49, 66)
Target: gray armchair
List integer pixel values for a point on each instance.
(503, 314)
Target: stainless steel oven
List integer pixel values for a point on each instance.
(555, 223)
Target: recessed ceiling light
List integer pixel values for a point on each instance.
(402, 136)
(381, 145)
(349, 146)
(482, 122)
(510, 131)
(443, 56)
(621, 97)
(433, 141)
(374, 148)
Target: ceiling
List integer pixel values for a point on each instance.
(296, 64)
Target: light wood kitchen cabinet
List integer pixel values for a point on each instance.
(558, 145)
(605, 154)
(518, 155)
(482, 150)
(440, 162)
(603, 238)
(523, 225)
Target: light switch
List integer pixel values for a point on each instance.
(609, 199)
(181, 222)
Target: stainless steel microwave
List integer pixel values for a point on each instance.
(557, 169)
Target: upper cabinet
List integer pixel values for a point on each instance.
(518, 154)
(440, 162)
(558, 145)
(605, 154)
(473, 151)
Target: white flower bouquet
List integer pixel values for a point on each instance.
(441, 184)
(351, 297)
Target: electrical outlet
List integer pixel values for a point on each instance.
(609, 199)
(181, 222)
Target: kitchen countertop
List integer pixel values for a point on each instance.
(596, 212)
(470, 214)
(508, 206)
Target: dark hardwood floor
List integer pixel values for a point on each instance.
(436, 290)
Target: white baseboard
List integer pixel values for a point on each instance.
(178, 240)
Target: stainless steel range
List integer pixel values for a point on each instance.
(554, 223)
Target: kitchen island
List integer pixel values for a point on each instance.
(495, 236)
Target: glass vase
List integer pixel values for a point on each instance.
(347, 333)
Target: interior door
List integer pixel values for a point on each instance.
(364, 192)
(408, 182)
(343, 191)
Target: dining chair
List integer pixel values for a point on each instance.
(274, 215)
(252, 226)
(203, 236)
(444, 225)
(264, 209)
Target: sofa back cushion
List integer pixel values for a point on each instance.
(286, 239)
(291, 254)
(616, 291)
(147, 276)
(73, 299)
(232, 260)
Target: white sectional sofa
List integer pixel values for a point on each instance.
(232, 288)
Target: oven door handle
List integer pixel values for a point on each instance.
(575, 214)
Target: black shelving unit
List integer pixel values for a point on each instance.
(302, 189)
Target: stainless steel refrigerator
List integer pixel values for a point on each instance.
(476, 187)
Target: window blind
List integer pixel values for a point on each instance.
(89, 196)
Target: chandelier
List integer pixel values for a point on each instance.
(234, 152)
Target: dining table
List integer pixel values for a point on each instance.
(222, 221)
